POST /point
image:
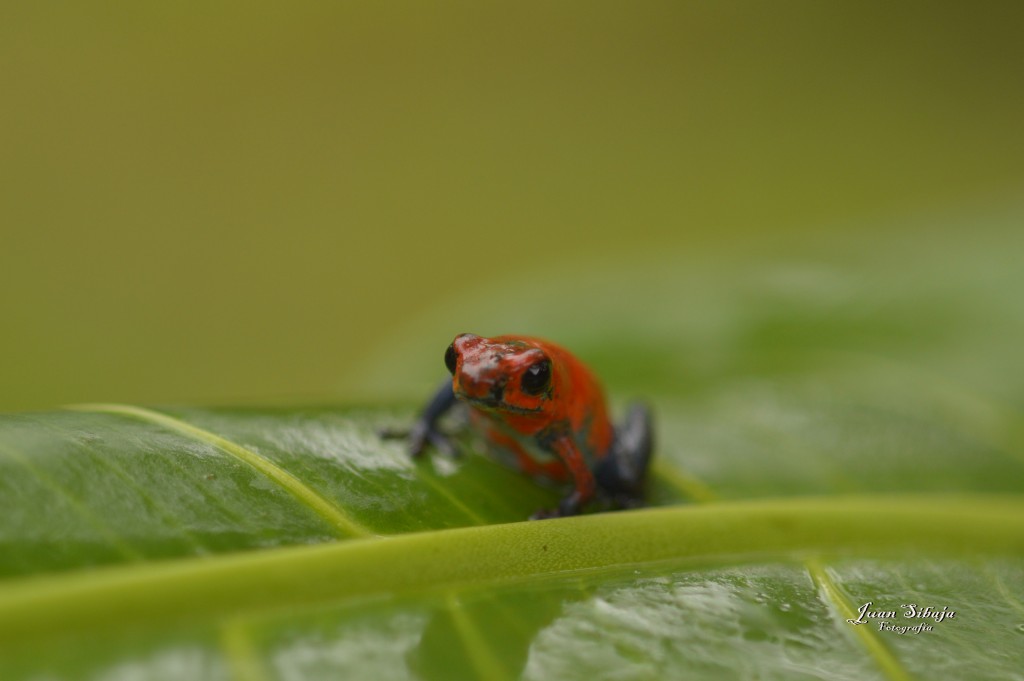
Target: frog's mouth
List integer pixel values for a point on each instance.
(491, 404)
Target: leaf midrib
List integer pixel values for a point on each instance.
(721, 533)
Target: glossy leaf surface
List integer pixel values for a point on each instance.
(840, 430)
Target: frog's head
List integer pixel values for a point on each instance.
(507, 376)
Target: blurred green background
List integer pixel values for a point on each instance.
(254, 202)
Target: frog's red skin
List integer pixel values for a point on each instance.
(556, 428)
(570, 417)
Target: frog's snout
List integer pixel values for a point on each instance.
(481, 388)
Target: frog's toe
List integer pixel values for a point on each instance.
(415, 444)
(625, 501)
(418, 437)
(443, 444)
(568, 506)
(392, 433)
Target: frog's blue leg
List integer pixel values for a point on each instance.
(441, 402)
(623, 472)
(425, 430)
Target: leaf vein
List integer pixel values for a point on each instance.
(145, 495)
(480, 655)
(74, 502)
(439, 560)
(832, 594)
(304, 494)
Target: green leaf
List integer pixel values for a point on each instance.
(834, 428)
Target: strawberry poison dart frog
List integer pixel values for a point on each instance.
(540, 408)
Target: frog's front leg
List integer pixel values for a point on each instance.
(583, 480)
(424, 430)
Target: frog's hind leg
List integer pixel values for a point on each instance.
(623, 472)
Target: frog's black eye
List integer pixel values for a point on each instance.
(537, 378)
(449, 358)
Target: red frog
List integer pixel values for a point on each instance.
(540, 407)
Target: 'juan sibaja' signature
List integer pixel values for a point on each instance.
(910, 611)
